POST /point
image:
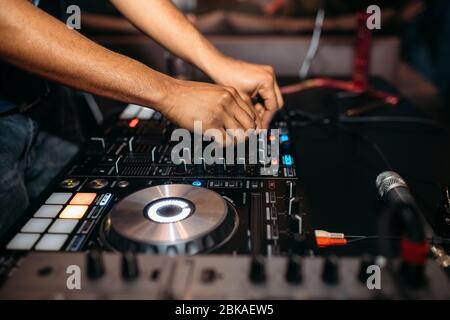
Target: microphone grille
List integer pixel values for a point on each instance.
(389, 180)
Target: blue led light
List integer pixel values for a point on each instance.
(284, 138)
(287, 160)
(197, 183)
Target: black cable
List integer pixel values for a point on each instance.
(372, 144)
(433, 240)
(384, 119)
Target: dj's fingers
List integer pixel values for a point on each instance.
(279, 96)
(250, 109)
(237, 112)
(260, 109)
(245, 103)
(235, 131)
(243, 119)
(267, 118)
(267, 91)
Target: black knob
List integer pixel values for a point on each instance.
(209, 275)
(366, 262)
(180, 169)
(130, 268)
(94, 265)
(294, 270)
(257, 270)
(330, 272)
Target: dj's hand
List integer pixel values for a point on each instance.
(251, 80)
(216, 106)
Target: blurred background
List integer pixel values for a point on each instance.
(410, 50)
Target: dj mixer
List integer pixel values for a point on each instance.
(124, 193)
(126, 213)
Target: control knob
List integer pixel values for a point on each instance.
(130, 268)
(294, 270)
(94, 265)
(330, 272)
(257, 270)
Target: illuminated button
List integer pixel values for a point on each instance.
(63, 226)
(51, 242)
(287, 160)
(169, 210)
(48, 211)
(284, 138)
(197, 183)
(23, 241)
(83, 198)
(36, 225)
(133, 123)
(59, 198)
(73, 212)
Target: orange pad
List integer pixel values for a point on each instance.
(83, 198)
(73, 212)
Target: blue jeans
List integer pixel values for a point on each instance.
(29, 160)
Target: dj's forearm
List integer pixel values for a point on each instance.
(163, 22)
(39, 43)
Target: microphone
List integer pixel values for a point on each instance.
(396, 194)
(401, 204)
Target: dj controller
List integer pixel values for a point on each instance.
(142, 227)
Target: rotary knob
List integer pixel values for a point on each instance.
(94, 265)
(180, 169)
(330, 272)
(294, 270)
(130, 267)
(98, 184)
(70, 183)
(257, 273)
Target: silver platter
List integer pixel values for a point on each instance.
(170, 219)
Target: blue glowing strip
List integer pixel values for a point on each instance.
(287, 160)
(197, 183)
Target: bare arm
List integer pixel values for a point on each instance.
(162, 21)
(46, 47)
(39, 43)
